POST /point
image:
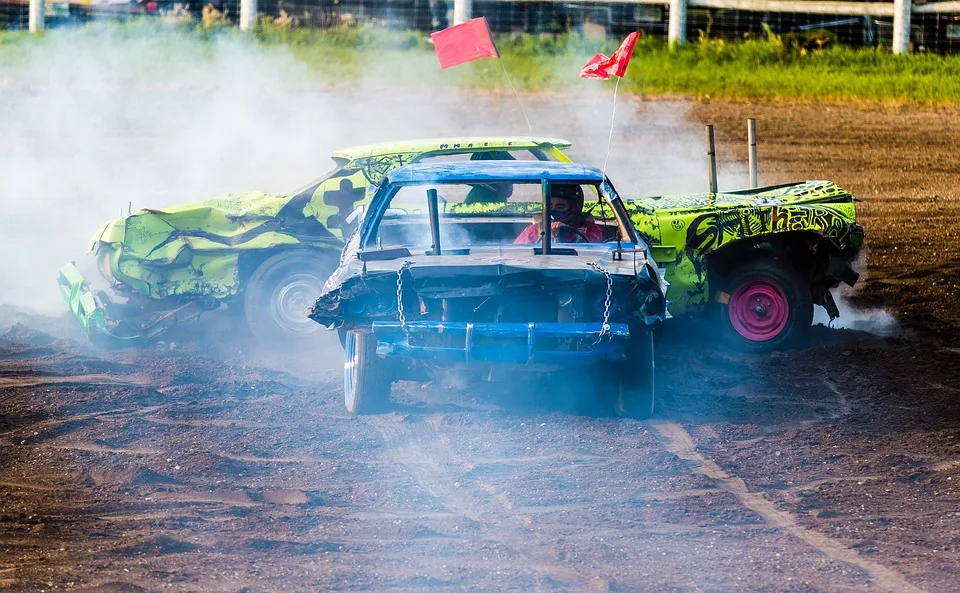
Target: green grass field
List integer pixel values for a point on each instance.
(775, 68)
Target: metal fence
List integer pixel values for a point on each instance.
(14, 14)
(933, 26)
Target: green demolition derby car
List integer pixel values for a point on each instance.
(265, 255)
(763, 257)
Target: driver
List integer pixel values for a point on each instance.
(566, 208)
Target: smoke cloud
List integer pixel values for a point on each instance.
(875, 321)
(96, 119)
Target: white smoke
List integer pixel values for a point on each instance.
(875, 321)
(95, 119)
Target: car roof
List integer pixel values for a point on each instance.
(467, 171)
(450, 146)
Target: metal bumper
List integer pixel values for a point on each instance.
(129, 325)
(81, 301)
(512, 343)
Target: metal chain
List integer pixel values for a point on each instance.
(605, 327)
(400, 315)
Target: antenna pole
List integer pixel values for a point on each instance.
(516, 94)
(613, 119)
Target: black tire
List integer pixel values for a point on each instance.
(767, 306)
(366, 376)
(278, 293)
(634, 390)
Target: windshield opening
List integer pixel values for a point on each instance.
(495, 213)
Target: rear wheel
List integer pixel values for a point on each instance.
(278, 294)
(768, 305)
(366, 376)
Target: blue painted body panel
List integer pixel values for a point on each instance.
(509, 343)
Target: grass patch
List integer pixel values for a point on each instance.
(761, 69)
(775, 68)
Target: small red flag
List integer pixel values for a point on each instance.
(601, 67)
(464, 43)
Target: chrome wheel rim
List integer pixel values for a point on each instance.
(288, 308)
(350, 360)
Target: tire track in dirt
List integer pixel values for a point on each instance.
(426, 453)
(95, 379)
(679, 442)
(95, 448)
(102, 416)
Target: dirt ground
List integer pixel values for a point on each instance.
(833, 467)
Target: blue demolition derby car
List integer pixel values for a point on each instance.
(452, 268)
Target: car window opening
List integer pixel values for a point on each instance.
(453, 218)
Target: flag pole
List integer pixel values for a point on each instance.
(515, 94)
(603, 67)
(613, 118)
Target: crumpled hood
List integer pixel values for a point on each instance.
(220, 222)
(367, 289)
(498, 260)
(227, 216)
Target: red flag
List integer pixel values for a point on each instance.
(464, 43)
(601, 67)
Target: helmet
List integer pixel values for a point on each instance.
(573, 194)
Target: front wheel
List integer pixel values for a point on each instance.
(766, 305)
(366, 377)
(632, 392)
(278, 294)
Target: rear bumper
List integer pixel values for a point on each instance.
(509, 343)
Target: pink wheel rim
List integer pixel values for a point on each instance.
(759, 310)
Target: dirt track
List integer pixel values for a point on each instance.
(832, 468)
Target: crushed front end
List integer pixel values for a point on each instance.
(107, 319)
(535, 311)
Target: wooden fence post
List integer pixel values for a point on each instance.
(36, 19)
(711, 160)
(462, 11)
(752, 152)
(677, 25)
(901, 26)
(248, 15)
